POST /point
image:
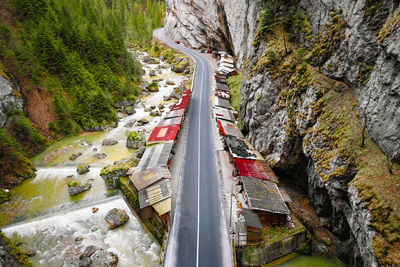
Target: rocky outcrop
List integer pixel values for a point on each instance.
(82, 169)
(109, 142)
(75, 188)
(116, 217)
(222, 24)
(10, 99)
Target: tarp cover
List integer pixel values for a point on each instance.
(155, 156)
(155, 193)
(175, 113)
(170, 121)
(163, 134)
(264, 195)
(223, 94)
(251, 168)
(229, 128)
(143, 179)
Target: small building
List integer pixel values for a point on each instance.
(238, 148)
(221, 86)
(175, 113)
(253, 168)
(222, 103)
(253, 226)
(163, 134)
(170, 121)
(183, 102)
(155, 200)
(223, 94)
(155, 156)
(224, 114)
(264, 198)
(221, 78)
(229, 128)
(143, 179)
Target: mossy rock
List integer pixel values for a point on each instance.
(111, 173)
(75, 156)
(4, 196)
(116, 217)
(81, 169)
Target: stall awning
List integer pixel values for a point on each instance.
(163, 134)
(175, 113)
(155, 193)
(229, 128)
(145, 178)
(155, 156)
(224, 114)
(251, 168)
(171, 121)
(264, 195)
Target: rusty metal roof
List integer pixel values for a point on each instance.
(222, 103)
(175, 113)
(264, 195)
(229, 128)
(145, 178)
(155, 193)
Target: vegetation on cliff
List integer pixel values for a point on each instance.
(330, 127)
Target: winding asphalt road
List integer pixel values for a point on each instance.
(199, 236)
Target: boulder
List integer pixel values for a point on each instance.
(76, 187)
(109, 142)
(155, 113)
(94, 210)
(103, 258)
(142, 122)
(79, 238)
(139, 153)
(135, 140)
(167, 97)
(181, 66)
(130, 123)
(169, 82)
(84, 143)
(116, 217)
(75, 156)
(152, 73)
(81, 169)
(129, 110)
(111, 173)
(150, 60)
(99, 155)
(124, 103)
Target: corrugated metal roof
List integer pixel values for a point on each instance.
(175, 113)
(251, 219)
(251, 168)
(223, 94)
(163, 207)
(145, 178)
(182, 102)
(155, 193)
(220, 78)
(254, 151)
(155, 156)
(264, 195)
(170, 121)
(223, 113)
(222, 103)
(229, 128)
(222, 86)
(163, 134)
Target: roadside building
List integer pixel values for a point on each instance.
(224, 114)
(221, 78)
(143, 179)
(264, 198)
(163, 134)
(255, 169)
(155, 156)
(183, 102)
(223, 94)
(229, 128)
(175, 113)
(221, 86)
(222, 103)
(170, 121)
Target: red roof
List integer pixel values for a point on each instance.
(182, 102)
(251, 168)
(165, 133)
(229, 128)
(171, 121)
(175, 113)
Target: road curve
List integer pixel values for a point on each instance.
(199, 236)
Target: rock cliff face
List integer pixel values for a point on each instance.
(306, 94)
(9, 99)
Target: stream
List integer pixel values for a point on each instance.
(43, 216)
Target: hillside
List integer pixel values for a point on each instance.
(65, 69)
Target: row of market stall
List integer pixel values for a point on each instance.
(151, 178)
(256, 199)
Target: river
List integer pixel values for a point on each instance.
(43, 216)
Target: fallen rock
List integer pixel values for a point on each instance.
(99, 155)
(81, 169)
(129, 110)
(169, 82)
(103, 258)
(79, 238)
(152, 73)
(76, 187)
(152, 107)
(155, 113)
(150, 60)
(84, 143)
(75, 156)
(94, 210)
(116, 217)
(109, 142)
(135, 140)
(181, 66)
(124, 103)
(130, 123)
(142, 122)
(167, 97)
(88, 251)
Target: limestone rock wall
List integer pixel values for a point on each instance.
(9, 99)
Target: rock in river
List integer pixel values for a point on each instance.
(109, 142)
(116, 217)
(75, 156)
(76, 187)
(99, 155)
(104, 258)
(81, 169)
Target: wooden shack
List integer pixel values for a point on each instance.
(264, 198)
(253, 226)
(155, 156)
